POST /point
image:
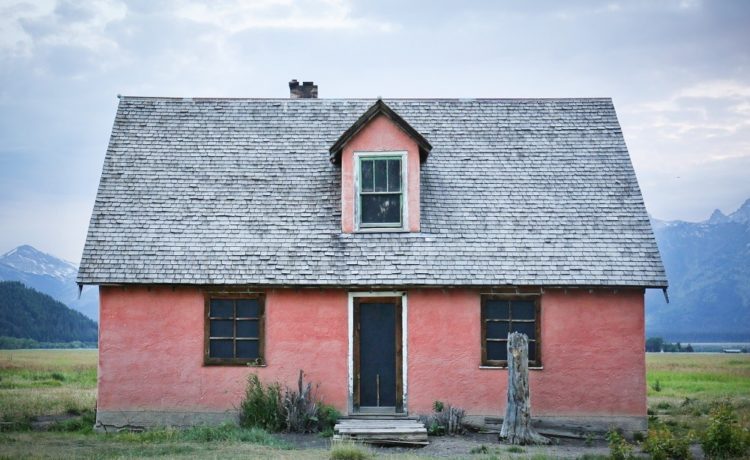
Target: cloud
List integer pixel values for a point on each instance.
(237, 15)
(692, 147)
(25, 26)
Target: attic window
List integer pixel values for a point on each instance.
(380, 190)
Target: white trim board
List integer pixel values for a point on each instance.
(404, 343)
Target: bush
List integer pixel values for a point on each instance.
(656, 386)
(261, 406)
(725, 438)
(662, 444)
(346, 450)
(300, 407)
(295, 410)
(619, 448)
(328, 416)
(445, 420)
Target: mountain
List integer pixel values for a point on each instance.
(708, 267)
(50, 275)
(28, 314)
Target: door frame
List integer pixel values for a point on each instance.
(401, 370)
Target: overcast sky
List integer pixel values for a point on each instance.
(678, 71)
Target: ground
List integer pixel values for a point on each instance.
(47, 398)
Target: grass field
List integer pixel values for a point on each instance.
(689, 384)
(59, 387)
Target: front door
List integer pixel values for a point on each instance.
(377, 355)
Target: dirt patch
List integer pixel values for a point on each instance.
(466, 445)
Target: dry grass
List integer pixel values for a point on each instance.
(34, 383)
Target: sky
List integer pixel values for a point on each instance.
(678, 72)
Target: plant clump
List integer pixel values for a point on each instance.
(445, 420)
(295, 410)
(725, 437)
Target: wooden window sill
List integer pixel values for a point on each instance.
(534, 368)
(234, 364)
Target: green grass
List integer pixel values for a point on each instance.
(693, 383)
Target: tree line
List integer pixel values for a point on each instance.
(28, 314)
(657, 344)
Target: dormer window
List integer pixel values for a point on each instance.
(381, 158)
(380, 190)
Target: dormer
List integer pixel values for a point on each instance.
(380, 157)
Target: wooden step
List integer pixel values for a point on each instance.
(396, 431)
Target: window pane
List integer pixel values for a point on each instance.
(496, 309)
(532, 351)
(247, 328)
(221, 349)
(525, 328)
(248, 349)
(248, 308)
(222, 308)
(523, 309)
(380, 209)
(367, 177)
(222, 328)
(497, 329)
(497, 351)
(381, 176)
(394, 175)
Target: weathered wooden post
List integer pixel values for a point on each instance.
(517, 422)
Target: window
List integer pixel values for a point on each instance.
(502, 315)
(234, 329)
(380, 191)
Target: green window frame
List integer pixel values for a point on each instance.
(501, 315)
(380, 191)
(234, 329)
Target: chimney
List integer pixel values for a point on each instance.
(307, 91)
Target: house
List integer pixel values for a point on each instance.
(386, 247)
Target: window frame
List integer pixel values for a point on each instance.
(213, 361)
(381, 227)
(537, 363)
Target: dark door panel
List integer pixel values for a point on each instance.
(377, 354)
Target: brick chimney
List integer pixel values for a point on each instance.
(307, 90)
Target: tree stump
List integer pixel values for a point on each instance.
(517, 422)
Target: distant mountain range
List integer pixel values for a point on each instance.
(708, 267)
(49, 275)
(28, 314)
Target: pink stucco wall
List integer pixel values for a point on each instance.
(592, 354)
(151, 351)
(380, 135)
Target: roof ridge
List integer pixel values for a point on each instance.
(365, 99)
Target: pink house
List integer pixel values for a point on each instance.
(386, 247)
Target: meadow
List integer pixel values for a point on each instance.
(48, 397)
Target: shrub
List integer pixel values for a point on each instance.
(445, 420)
(293, 410)
(619, 448)
(724, 437)
(327, 418)
(261, 406)
(662, 444)
(300, 407)
(656, 386)
(347, 450)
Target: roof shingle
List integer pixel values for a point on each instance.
(241, 191)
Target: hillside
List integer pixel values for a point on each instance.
(27, 313)
(50, 275)
(708, 266)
